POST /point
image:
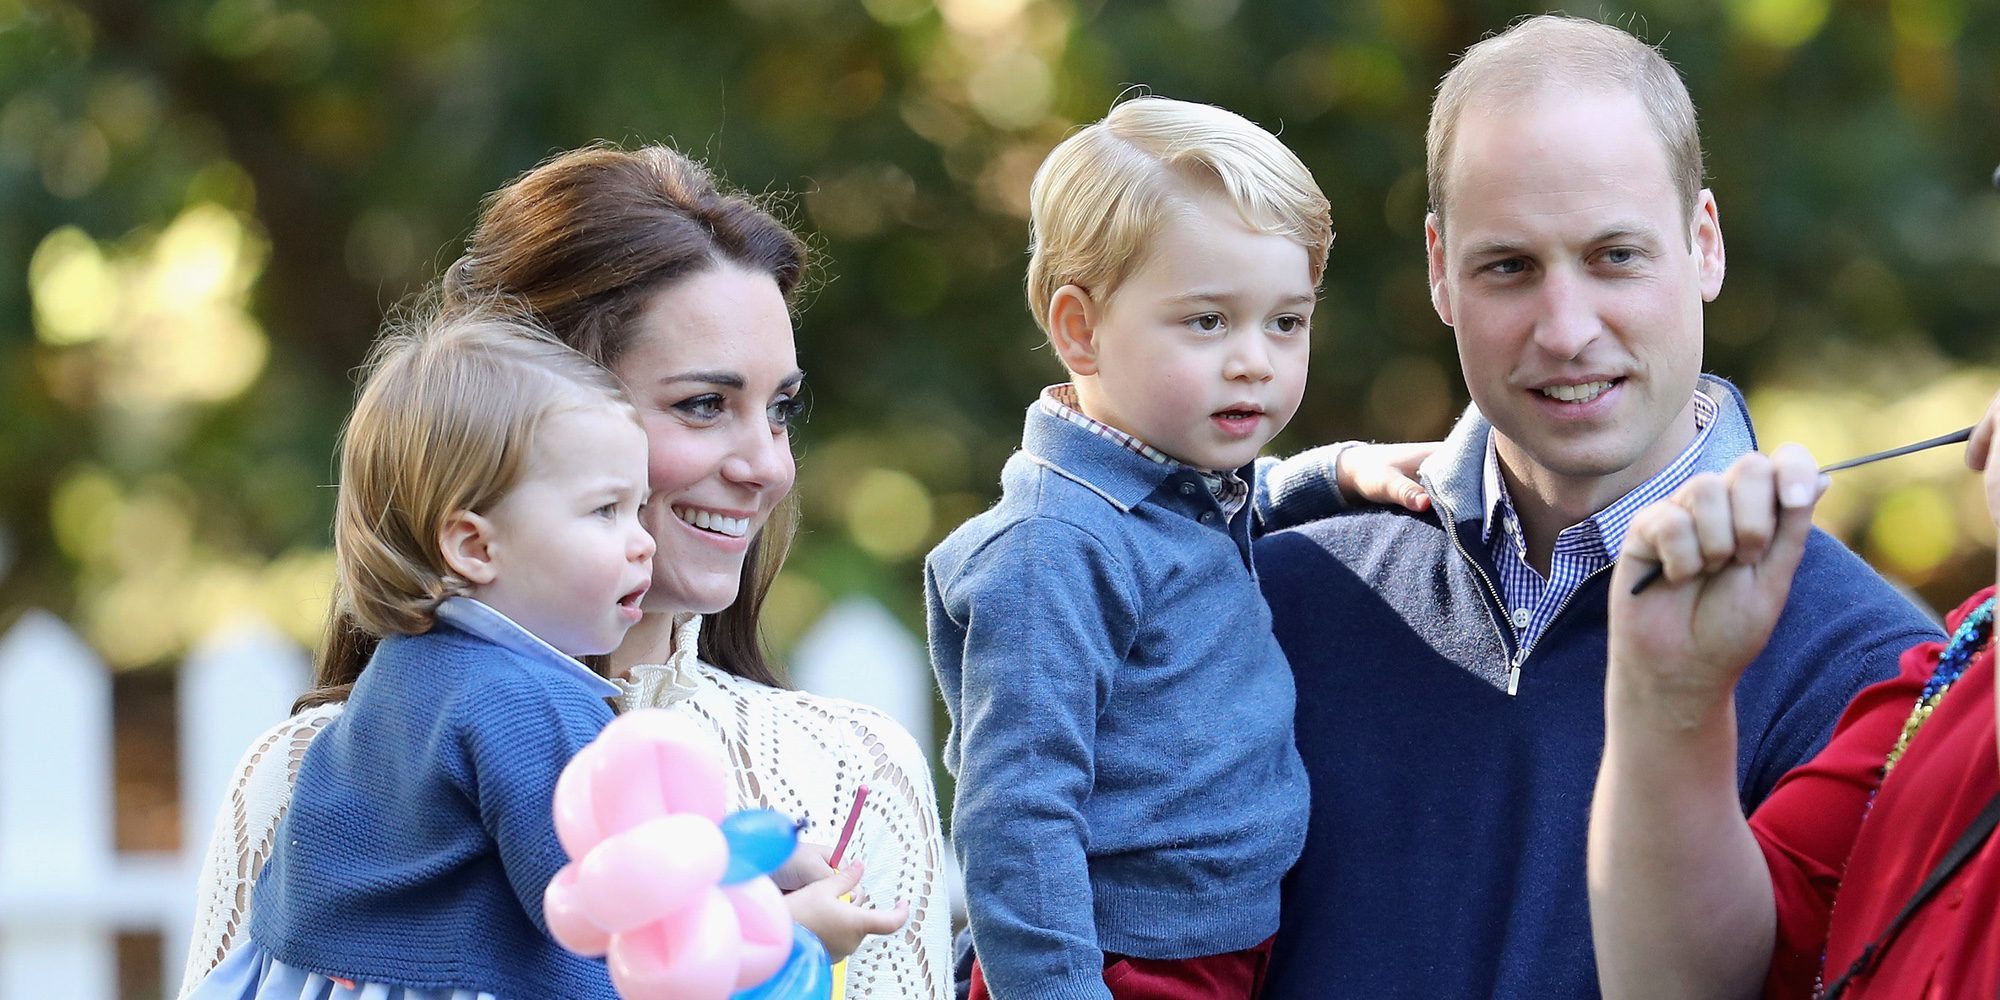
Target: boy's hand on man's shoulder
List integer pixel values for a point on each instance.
(1384, 474)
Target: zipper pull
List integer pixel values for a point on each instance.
(1514, 678)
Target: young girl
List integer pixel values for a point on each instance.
(487, 528)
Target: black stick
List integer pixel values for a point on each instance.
(1653, 575)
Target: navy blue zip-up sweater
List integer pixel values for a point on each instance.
(1445, 854)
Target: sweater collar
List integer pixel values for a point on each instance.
(1455, 473)
(1122, 476)
(479, 619)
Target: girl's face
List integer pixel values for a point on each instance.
(713, 370)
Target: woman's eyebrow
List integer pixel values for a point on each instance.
(728, 379)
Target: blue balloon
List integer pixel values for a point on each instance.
(759, 841)
(806, 975)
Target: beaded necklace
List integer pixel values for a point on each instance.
(1965, 644)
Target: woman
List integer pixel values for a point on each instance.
(637, 260)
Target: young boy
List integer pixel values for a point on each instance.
(1128, 794)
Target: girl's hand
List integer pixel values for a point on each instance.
(806, 866)
(1384, 474)
(839, 924)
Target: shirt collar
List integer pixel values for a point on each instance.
(480, 619)
(1229, 487)
(1610, 523)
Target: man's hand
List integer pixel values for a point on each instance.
(1728, 545)
(1384, 474)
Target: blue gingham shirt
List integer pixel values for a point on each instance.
(1581, 549)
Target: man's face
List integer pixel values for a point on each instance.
(1574, 282)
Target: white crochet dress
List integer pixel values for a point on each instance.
(798, 753)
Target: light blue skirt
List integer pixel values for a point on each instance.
(249, 972)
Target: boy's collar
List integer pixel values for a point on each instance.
(482, 620)
(1122, 476)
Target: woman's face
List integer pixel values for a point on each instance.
(712, 368)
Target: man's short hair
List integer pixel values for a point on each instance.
(1099, 197)
(1550, 50)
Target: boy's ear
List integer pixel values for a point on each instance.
(1073, 329)
(466, 539)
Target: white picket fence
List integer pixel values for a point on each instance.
(66, 891)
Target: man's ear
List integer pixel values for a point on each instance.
(466, 539)
(1073, 316)
(1706, 238)
(1434, 254)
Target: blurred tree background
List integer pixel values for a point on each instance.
(210, 203)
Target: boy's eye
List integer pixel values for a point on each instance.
(704, 407)
(1290, 324)
(609, 510)
(1206, 322)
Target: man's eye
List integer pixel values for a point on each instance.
(1512, 265)
(1621, 256)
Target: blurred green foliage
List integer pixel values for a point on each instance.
(210, 203)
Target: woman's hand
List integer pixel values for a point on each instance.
(1982, 453)
(839, 924)
(1384, 474)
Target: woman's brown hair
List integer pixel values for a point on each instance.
(583, 242)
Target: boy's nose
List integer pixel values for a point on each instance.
(1249, 361)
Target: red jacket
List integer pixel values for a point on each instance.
(1839, 880)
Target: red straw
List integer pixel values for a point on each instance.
(846, 832)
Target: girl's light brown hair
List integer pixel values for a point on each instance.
(445, 421)
(583, 242)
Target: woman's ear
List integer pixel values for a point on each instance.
(466, 539)
(1073, 329)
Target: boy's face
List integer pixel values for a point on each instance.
(570, 560)
(1201, 352)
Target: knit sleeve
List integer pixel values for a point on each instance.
(514, 741)
(1300, 489)
(1047, 614)
(242, 837)
(901, 842)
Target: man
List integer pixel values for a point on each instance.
(1450, 665)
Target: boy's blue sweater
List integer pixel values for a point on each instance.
(1121, 717)
(420, 836)
(1446, 852)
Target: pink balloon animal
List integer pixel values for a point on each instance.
(637, 812)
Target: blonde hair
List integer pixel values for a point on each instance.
(1099, 197)
(445, 420)
(1549, 50)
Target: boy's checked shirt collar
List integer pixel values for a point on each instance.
(1229, 489)
(1581, 549)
